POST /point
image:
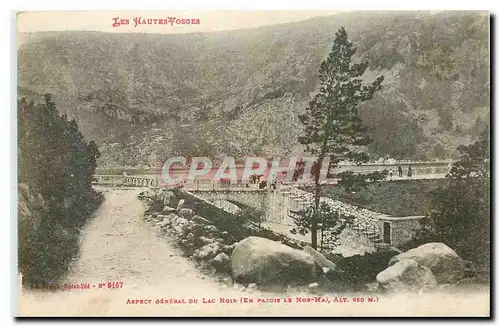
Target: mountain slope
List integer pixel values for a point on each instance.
(144, 97)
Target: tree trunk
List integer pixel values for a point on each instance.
(317, 192)
(322, 238)
(317, 189)
(314, 222)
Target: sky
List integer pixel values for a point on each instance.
(209, 20)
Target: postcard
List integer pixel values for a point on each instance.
(253, 164)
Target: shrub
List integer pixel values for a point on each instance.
(354, 272)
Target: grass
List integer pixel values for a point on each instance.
(396, 198)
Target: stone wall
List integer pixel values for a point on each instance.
(276, 206)
(403, 229)
(205, 208)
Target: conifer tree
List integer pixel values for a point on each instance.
(56, 167)
(332, 128)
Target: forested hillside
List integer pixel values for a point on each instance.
(55, 170)
(144, 97)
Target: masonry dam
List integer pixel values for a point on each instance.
(280, 204)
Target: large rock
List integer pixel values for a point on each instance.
(197, 229)
(226, 236)
(208, 251)
(166, 197)
(189, 244)
(444, 263)
(162, 224)
(178, 225)
(180, 205)
(262, 261)
(211, 231)
(221, 262)
(320, 258)
(406, 275)
(161, 217)
(146, 194)
(167, 210)
(200, 220)
(228, 249)
(191, 227)
(205, 240)
(187, 228)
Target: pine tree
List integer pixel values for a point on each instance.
(332, 128)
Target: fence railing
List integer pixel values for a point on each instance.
(119, 180)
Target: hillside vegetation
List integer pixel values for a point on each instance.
(144, 97)
(396, 198)
(56, 167)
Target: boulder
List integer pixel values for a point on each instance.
(205, 240)
(180, 204)
(172, 216)
(186, 213)
(178, 225)
(320, 258)
(262, 261)
(146, 194)
(313, 285)
(226, 236)
(406, 275)
(167, 209)
(197, 229)
(444, 263)
(228, 249)
(208, 251)
(161, 217)
(162, 224)
(221, 262)
(200, 220)
(189, 244)
(187, 228)
(211, 231)
(166, 197)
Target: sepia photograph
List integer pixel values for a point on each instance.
(253, 163)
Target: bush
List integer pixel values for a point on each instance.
(354, 272)
(461, 215)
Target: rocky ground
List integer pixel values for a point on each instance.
(263, 262)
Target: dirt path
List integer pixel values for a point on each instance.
(119, 246)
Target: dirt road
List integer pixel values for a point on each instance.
(119, 246)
